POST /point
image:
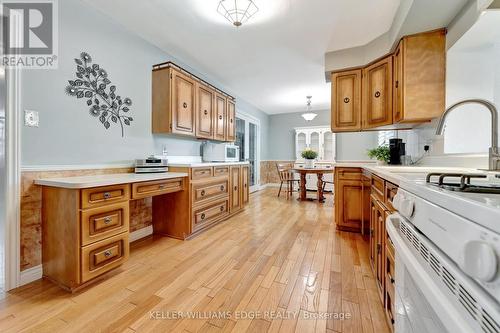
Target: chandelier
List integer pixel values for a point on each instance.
(309, 115)
(237, 11)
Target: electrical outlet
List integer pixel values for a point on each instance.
(31, 118)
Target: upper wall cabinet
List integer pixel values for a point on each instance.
(346, 101)
(377, 94)
(420, 77)
(186, 105)
(399, 90)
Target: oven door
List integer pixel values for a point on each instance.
(232, 153)
(431, 295)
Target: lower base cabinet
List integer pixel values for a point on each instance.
(212, 195)
(363, 201)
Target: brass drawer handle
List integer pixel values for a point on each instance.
(236, 188)
(222, 188)
(203, 216)
(346, 100)
(184, 105)
(202, 193)
(107, 195)
(107, 220)
(377, 94)
(107, 253)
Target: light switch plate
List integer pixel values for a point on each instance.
(31, 118)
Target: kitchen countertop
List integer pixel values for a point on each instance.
(204, 164)
(105, 180)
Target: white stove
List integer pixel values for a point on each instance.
(448, 246)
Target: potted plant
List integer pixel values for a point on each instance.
(309, 156)
(381, 153)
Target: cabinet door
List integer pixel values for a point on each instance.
(205, 112)
(183, 104)
(220, 117)
(235, 197)
(346, 101)
(398, 83)
(245, 184)
(348, 203)
(231, 121)
(377, 94)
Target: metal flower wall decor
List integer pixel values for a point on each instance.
(92, 83)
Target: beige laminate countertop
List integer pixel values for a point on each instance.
(396, 173)
(204, 164)
(106, 180)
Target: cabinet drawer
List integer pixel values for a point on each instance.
(349, 173)
(101, 257)
(378, 187)
(156, 187)
(221, 171)
(390, 192)
(200, 173)
(210, 190)
(210, 213)
(99, 196)
(103, 222)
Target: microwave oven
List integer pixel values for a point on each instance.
(220, 152)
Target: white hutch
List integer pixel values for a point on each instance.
(320, 139)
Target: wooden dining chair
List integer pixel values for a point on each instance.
(287, 176)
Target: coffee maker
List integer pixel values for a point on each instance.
(396, 150)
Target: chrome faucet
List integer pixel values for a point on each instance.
(494, 154)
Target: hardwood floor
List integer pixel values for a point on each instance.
(279, 266)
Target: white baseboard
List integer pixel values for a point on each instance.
(30, 275)
(141, 233)
(35, 273)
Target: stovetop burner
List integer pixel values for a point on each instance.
(449, 181)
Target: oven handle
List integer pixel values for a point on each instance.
(452, 319)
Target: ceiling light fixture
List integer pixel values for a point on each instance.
(237, 11)
(308, 116)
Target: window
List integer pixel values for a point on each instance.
(385, 136)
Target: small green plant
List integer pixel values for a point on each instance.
(381, 153)
(309, 154)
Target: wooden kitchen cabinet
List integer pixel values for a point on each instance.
(231, 121)
(235, 183)
(350, 204)
(245, 184)
(220, 117)
(186, 105)
(346, 101)
(205, 112)
(390, 281)
(420, 77)
(377, 94)
(377, 243)
(400, 90)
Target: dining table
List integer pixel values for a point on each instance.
(319, 171)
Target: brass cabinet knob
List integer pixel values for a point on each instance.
(107, 253)
(184, 105)
(377, 94)
(107, 220)
(202, 192)
(221, 208)
(222, 188)
(346, 100)
(203, 216)
(205, 112)
(220, 117)
(107, 195)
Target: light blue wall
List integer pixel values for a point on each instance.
(67, 133)
(350, 146)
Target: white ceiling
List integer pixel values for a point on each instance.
(272, 62)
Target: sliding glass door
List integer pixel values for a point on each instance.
(248, 139)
